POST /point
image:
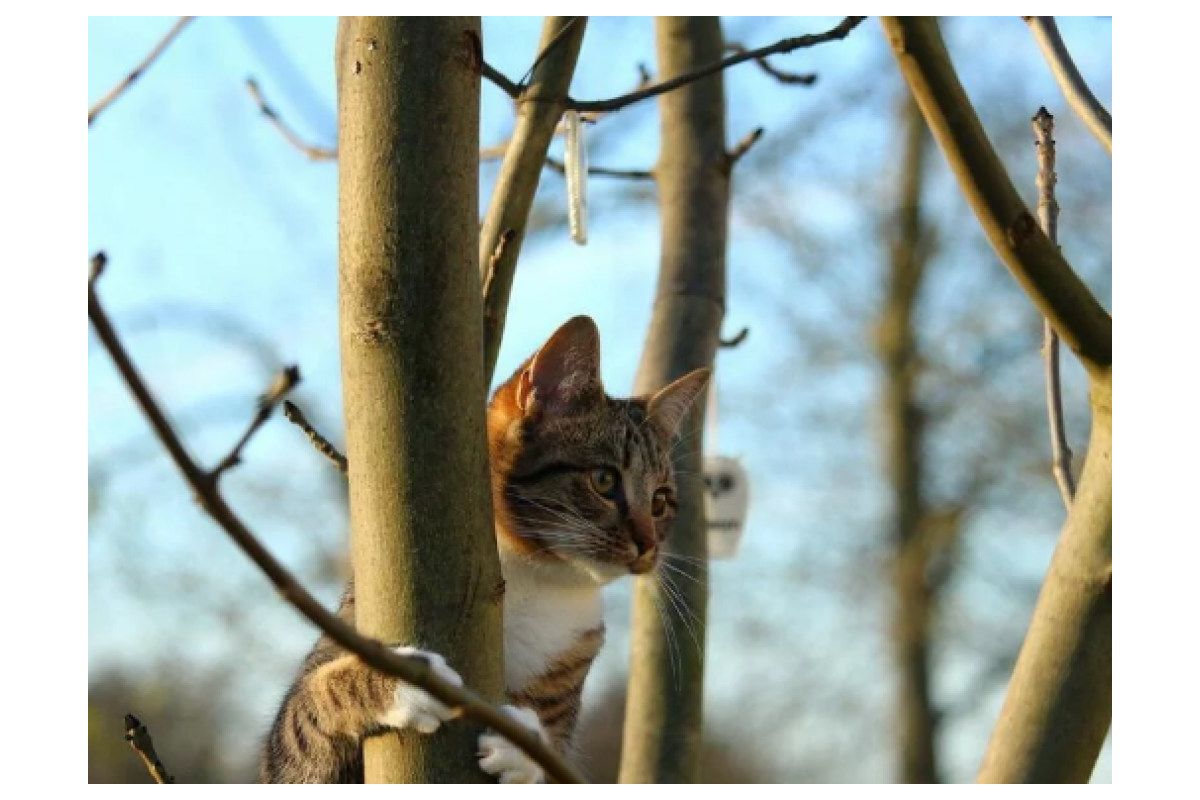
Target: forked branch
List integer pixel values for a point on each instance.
(415, 671)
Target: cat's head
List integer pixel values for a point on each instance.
(582, 480)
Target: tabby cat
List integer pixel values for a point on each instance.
(583, 492)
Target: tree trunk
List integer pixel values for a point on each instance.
(425, 565)
(904, 446)
(522, 168)
(662, 734)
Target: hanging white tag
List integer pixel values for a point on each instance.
(726, 500)
(576, 168)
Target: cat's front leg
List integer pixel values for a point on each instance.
(413, 707)
(498, 756)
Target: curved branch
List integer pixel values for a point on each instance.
(415, 671)
(1073, 86)
(1030, 256)
(801, 78)
(115, 92)
(314, 152)
(517, 92)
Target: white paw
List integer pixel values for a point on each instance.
(498, 756)
(415, 708)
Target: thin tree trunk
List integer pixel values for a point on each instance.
(663, 732)
(1059, 703)
(904, 445)
(524, 162)
(425, 565)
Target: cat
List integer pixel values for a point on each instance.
(583, 493)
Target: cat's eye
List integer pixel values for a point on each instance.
(604, 481)
(658, 503)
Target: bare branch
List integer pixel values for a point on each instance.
(96, 269)
(1072, 84)
(139, 740)
(516, 91)
(1034, 261)
(1043, 136)
(606, 172)
(783, 46)
(801, 78)
(736, 339)
(324, 446)
(745, 144)
(413, 670)
(115, 92)
(314, 152)
(284, 382)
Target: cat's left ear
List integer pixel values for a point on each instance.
(671, 403)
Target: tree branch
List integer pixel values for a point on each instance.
(324, 446)
(517, 92)
(744, 144)
(605, 172)
(736, 339)
(1073, 86)
(1031, 257)
(284, 382)
(801, 78)
(115, 92)
(139, 740)
(521, 170)
(1043, 136)
(415, 671)
(314, 152)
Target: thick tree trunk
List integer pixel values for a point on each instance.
(425, 565)
(898, 354)
(663, 713)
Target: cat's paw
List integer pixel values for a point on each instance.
(413, 707)
(499, 756)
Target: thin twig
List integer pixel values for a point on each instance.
(115, 92)
(139, 739)
(1047, 209)
(96, 268)
(324, 446)
(549, 48)
(736, 339)
(412, 670)
(745, 144)
(1072, 84)
(284, 382)
(314, 152)
(607, 172)
(801, 78)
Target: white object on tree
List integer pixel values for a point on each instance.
(575, 165)
(726, 500)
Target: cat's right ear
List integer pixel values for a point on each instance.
(564, 373)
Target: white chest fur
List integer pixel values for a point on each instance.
(542, 621)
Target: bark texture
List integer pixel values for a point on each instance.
(662, 733)
(1059, 703)
(903, 452)
(425, 565)
(539, 109)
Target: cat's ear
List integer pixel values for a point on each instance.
(671, 403)
(564, 372)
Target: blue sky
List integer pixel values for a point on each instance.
(222, 246)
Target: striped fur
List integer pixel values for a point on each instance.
(550, 428)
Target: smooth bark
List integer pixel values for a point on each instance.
(663, 717)
(904, 446)
(425, 565)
